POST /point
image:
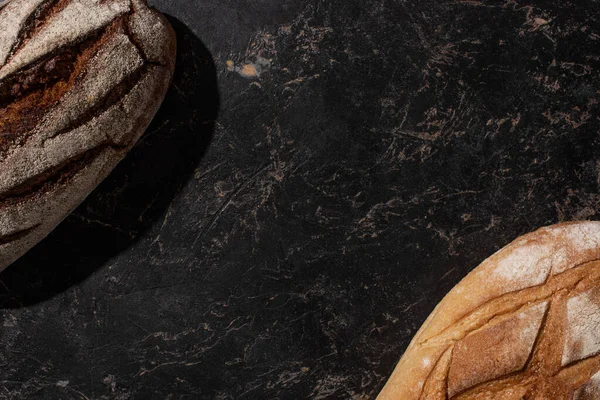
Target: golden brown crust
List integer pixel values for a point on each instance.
(524, 324)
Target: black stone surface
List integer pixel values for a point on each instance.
(321, 173)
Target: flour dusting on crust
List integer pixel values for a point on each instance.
(525, 266)
(583, 326)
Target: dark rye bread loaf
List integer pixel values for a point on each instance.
(80, 81)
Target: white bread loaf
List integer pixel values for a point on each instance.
(525, 324)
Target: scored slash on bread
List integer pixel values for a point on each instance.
(80, 81)
(525, 324)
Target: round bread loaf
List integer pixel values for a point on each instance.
(80, 81)
(525, 324)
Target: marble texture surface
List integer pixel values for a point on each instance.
(321, 173)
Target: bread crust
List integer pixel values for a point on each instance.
(524, 324)
(75, 96)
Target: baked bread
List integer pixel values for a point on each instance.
(525, 324)
(80, 81)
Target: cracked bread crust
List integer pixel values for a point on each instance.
(525, 324)
(80, 81)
